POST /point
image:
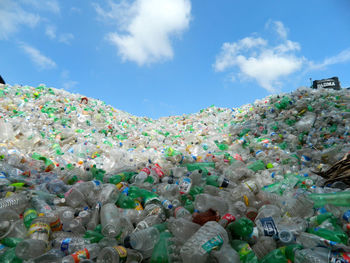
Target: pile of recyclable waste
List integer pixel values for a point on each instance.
(81, 181)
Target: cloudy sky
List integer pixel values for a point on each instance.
(172, 57)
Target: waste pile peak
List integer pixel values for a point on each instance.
(264, 182)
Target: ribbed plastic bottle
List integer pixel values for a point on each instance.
(210, 236)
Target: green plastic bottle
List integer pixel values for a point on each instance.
(241, 228)
(94, 236)
(122, 177)
(9, 256)
(275, 256)
(289, 251)
(245, 252)
(11, 241)
(29, 215)
(256, 166)
(125, 201)
(333, 235)
(337, 199)
(161, 249)
(199, 166)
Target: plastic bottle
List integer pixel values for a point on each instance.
(337, 199)
(204, 201)
(118, 254)
(181, 212)
(94, 218)
(246, 254)
(208, 237)
(161, 253)
(145, 239)
(110, 220)
(39, 233)
(18, 202)
(90, 251)
(314, 255)
(241, 228)
(226, 254)
(263, 246)
(181, 228)
(69, 245)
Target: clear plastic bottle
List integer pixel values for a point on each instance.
(113, 254)
(94, 218)
(110, 220)
(18, 202)
(208, 237)
(143, 240)
(90, 251)
(181, 212)
(226, 254)
(313, 255)
(203, 202)
(39, 233)
(69, 245)
(264, 245)
(181, 228)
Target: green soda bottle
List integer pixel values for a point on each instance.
(246, 254)
(29, 215)
(337, 199)
(125, 201)
(275, 256)
(241, 229)
(161, 250)
(94, 236)
(9, 256)
(332, 235)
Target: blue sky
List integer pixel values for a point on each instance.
(171, 57)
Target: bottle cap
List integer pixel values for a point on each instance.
(127, 243)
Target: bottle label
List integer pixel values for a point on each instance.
(39, 228)
(338, 257)
(121, 251)
(245, 250)
(2, 247)
(56, 225)
(230, 218)
(214, 243)
(158, 171)
(28, 212)
(269, 226)
(146, 170)
(346, 216)
(81, 254)
(138, 205)
(65, 245)
(185, 185)
(225, 183)
(66, 194)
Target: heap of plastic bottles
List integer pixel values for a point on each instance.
(83, 182)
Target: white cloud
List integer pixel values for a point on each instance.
(69, 85)
(66, 38)
(47, 5)
(342, 57)
(255, 59)
(280, 29)
(50, 31)
(37, 57)
(147, 27)
(12, 16)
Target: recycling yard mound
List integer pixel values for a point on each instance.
(266, 182)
